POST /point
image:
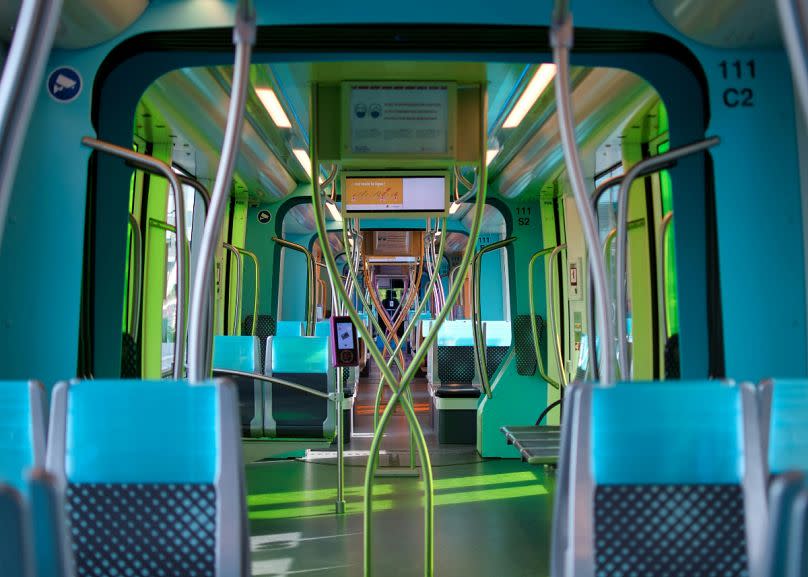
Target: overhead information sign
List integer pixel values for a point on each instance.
(421, 195)
(394, 118)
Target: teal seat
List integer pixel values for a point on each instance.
(32, 541)
(162, 488)
(659, 484)
(16, 547)
(240, 353)
(290, 413)
(23, 425)
(289, 328)
(784, 424)
(796, 563)
(322, 329)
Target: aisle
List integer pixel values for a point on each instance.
(492, 517)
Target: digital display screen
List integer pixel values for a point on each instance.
(345, 336)
(395, 194)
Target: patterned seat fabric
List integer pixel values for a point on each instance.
(523, 344)
(672, 358)
(142, 529)
(265, 327)
(130, 358)
(670, 531)
(456, 364)
(494, 357)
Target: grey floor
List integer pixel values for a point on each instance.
(492, 517)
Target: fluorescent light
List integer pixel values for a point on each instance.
(273, 105)
(335, 214)
(541, 79)
(302, 156)
(490, 154)
(454, 207)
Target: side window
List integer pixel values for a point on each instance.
(169, 315)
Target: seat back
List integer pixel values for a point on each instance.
(289, 329)
(322, 329)
(16, 552)
(498, 340)
(290, 413)
(265, 326)
(784, 491)
(161, 489)
(784, 427)
(243, 354)
(666, 479)
(22, 430)
(797, 550)
(784, 424)
(455, 353)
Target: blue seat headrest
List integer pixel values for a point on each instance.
(670, 432)
(300, 354)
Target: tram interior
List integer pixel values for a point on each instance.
(435, 318)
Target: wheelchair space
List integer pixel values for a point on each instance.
(492, 517)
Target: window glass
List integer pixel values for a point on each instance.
(169, 324)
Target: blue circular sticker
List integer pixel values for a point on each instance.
(64, 84)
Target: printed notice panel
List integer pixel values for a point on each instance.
(399, 119)
(395, 194)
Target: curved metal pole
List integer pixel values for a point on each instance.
(153, 165)
(561, 39)
(410, 372)
(309, 280)
(20, 85)
(400, 316)
(407, 331)
(622, 236)
(471, 186)
(795, 37)
(244, 38)
(353, 271)
(562, 372)
(137, 242)
(607, 245)
(664, 227)
(239, 284)
(277, 381)
(256, 300)
(198, 187)
(204, 194)
(600, 190)
(533, 326)
(480, 348)
(328, 181)
(386, 334)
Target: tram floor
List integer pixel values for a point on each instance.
(492, 516)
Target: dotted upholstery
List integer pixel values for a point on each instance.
(157, 530)
(494, 357)
(130, 358)
(265, 327)
(672, 357)
(456, 365)
(523, 344)
(670, 531)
